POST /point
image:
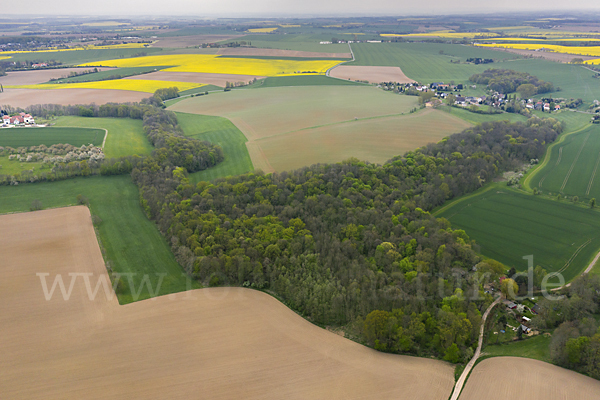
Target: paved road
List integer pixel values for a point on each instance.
(463, 377)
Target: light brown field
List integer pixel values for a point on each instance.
(501, 378)
(194, 77)
(266, 112)
(27, 97)
(39, 76)
(292, 127)
(195, 40)
(244, 51)
(547, 55)
(370, 74)
(375, 140)
(220, 343)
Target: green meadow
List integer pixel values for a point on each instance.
(34, 136)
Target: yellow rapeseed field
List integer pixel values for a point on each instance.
(529, 39)
(137, 85)
(107, 47)
(592, 51)
(262, 30)
(210, 63)
(444, 34)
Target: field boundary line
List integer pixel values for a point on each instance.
(547, 157)
(574, 162)
(461, 199)
(463, 377)
(593, 175)
(570, 260)
(559, 155)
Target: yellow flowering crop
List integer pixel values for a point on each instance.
(107, 47)
(209, 63)
(137, 85)
(262, 30)
(444, 34)
(593, 51)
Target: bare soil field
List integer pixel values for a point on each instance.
(501, 378)
(195, 77)
(260, 113)
(374, 140)
(547, 55)
(39, 76)
(219, 343)
(195, 40)
(239, 51)
(370, 74)
(26, 97)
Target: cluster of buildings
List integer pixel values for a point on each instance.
(16, 120)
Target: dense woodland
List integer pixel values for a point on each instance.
(350, 243)
(576, 341)
(509, 81)
(344, 244)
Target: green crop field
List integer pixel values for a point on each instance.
(427, 62)
(508, 225)
(125, 136)
(297, 42)
(75, 57)
(132, 243)
(25, 137)
(572, 166)
(222, 132)
(312, 80)
(475, 118)
(101, 75)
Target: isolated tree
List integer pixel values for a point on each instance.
(592, 202)
(509, 288)
(527, 90)
(575, 199)
(36, 205)
(450, 100)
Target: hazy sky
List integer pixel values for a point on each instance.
(295, 7)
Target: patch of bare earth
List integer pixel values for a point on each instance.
(547, 55)
(195, 40)
(210, 79)
(244, 51)
(39, 76)
(501, 378)
(27, 97)
(218, 343)
(370, 74)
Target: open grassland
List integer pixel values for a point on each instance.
(27, 97)
(501, 378)
(207, 63)
(13, 167)
(312, 80)
(136, 85)
(278, 110)
(132, 243)
(211, 341)
(34, 136)
(372, 139)
(305, 42)
(222, 132)
(476, 118)
(572, 166)
(508, 225)
(537, 348)
(125, 136)
(426, 62)
(82, 56)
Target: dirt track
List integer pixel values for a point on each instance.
(502, 378)
(370, 74)
(220, 343)
(27, 97)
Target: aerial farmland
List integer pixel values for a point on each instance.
(324, 207)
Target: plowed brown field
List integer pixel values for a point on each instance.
(370, 74)
(39, 76)
(195, 77)
(220, 343)
(502, 378)
(26, 97)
